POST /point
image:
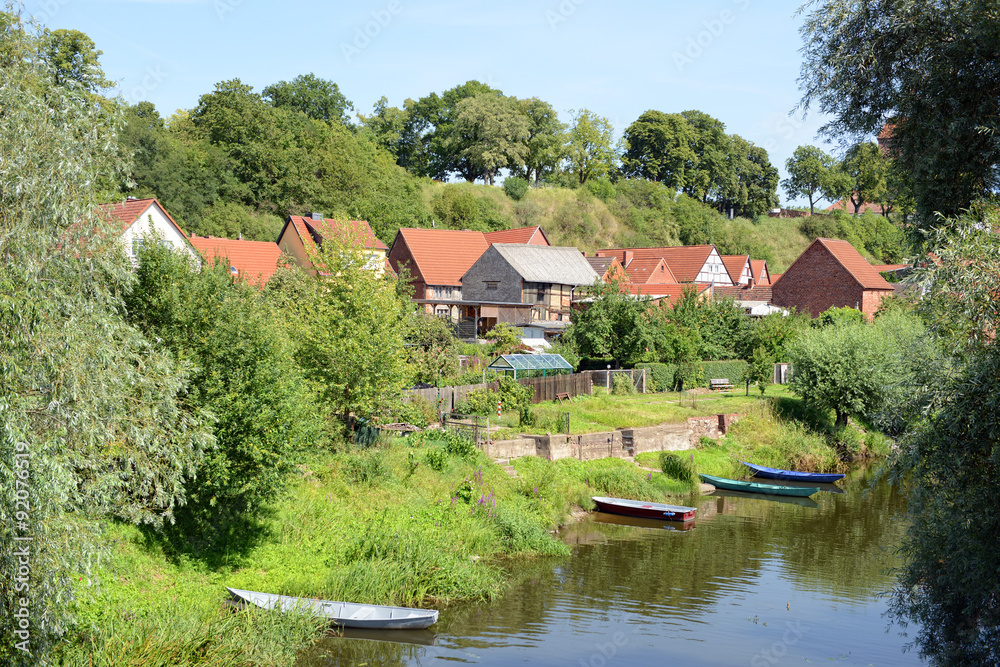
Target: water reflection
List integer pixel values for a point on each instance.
(755, 582)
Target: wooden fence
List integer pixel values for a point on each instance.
(546, 389)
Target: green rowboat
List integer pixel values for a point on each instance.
(757, 487)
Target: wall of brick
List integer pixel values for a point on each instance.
(817, 282)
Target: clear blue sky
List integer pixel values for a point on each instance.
(736, 60)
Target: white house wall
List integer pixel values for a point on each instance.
(714, 271)
(153, 218)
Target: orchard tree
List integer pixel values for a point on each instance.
(589, 153)
(927, 73)
(809, 170)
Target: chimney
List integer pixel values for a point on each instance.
(628, 258)
(315, 216)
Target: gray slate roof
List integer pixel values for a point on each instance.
(548, 264)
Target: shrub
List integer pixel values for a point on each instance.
(659, 377)
(602, 188)
(734, 371)
(676, 467)
(436, 458)
(515, 187)
(622, 385)
(459, 445)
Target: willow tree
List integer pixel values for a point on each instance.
(89, 421)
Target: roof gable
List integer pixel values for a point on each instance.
(649, 270)
(759, 271)
(126, 213)
(442, 256)
(738, 266)
(357, 232)
(533, 235)
(852, 261)
(686, 262)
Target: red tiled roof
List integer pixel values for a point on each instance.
(735, 265)
(775, 277)
(855, 264)
(881, 268)
(648, 270)
(758, 269)
(128, 211)
(519, 235)
(442, 256)
(329, 228)
(684, 261)
(667, 291)
(255, 261)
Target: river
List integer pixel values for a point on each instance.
(754, 582)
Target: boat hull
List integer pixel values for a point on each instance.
(792, 475)
(346, 614)
(755, 487)
(644, 510)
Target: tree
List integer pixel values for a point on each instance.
(752, 189)
(489, 132)
(385, 126)
(658, 147)
(546, 136)
(589, 153)
(867, 169)
(349, 327)
(948, 586)
(928, 74)
(808, 174)
(74, 58)
(241, 373)
(91, 422)
(615, 325)
(760, 370)
(431, 348)
(315, 97)
(505, 339)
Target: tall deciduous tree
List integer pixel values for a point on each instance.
(615, 325)
(928, 69)
(808, 173)
(867, 169)
(546, 137)
(317, 98)
(659, 147)
(74, 57)
(589, 152)
(489, 133)
(90, 420)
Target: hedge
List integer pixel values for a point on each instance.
(664, 377)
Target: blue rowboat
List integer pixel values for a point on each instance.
(754, 487)
(792, 475)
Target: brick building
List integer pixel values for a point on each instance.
(830, 273)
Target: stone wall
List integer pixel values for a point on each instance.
(619, 444)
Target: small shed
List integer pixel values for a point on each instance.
(530, 362)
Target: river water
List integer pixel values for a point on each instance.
(754, 582)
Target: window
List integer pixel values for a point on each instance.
(541, 292)
(491, 285)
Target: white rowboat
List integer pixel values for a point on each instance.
(347, 614)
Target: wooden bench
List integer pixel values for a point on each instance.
(561, 395)
(720, 383)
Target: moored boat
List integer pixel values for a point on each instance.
(346, 614)
(756, 487)
(792, 475)
(644, 509)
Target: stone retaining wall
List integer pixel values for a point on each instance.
(621, 443)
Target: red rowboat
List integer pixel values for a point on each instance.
(644, 509)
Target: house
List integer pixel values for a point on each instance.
(739, 268)
(830, 273)
(649, 271)
(689, 264)
(251, 261)
(608, 268)
(436, 260)
(303, 236)
(759, 272)
(528, 235)
(545, 277)
(143, 219)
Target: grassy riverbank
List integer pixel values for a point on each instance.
(420, 521)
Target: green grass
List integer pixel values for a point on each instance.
(604, 412)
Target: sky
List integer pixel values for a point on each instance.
(736, 60)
